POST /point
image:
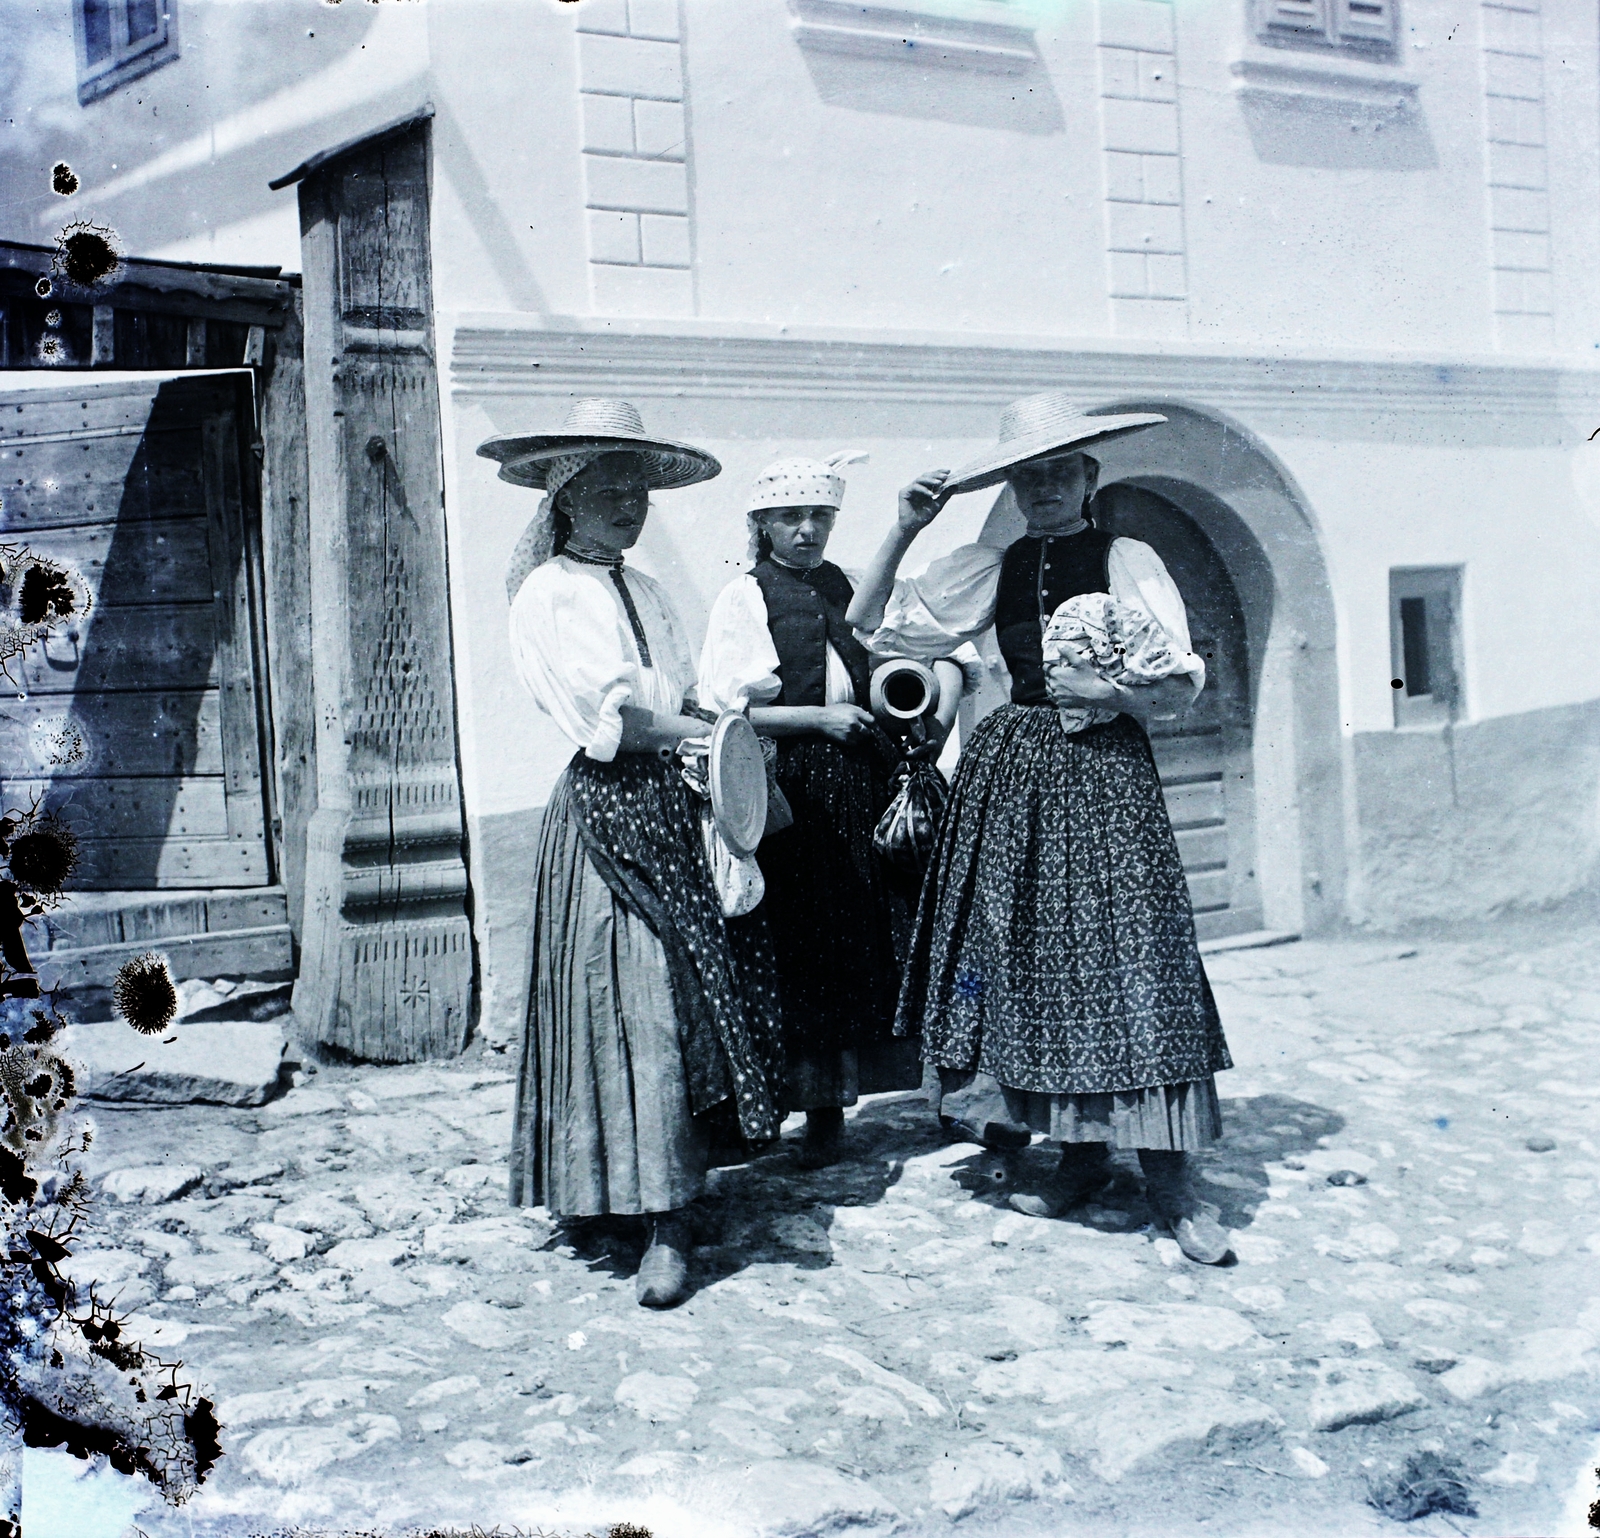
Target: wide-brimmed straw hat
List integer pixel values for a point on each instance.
(599, 426)
(1040, 425)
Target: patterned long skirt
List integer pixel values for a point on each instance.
(839, 927)
(652, 1025)
(1054, 952)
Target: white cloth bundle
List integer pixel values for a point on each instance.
(737, 877)
(1122, 643)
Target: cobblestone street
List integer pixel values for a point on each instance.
(1410, 1174)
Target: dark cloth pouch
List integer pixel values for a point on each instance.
(906, 832)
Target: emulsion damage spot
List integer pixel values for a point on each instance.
(85, 255)
(44, 857)
(144, 994)
(63, 179)
(46, 594)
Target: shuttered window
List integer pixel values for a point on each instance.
(1371, 21)
(1362, 26)
(1295, 16)
(119, 40)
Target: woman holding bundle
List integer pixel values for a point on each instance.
(1055, 947)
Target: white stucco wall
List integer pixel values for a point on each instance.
(886, 202)
(1488, 486)
(824, 189)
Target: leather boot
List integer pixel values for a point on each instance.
(663, 1278)
(824, 1133)
(1084, 1169)
(1170, 1189)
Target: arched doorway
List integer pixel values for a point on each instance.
(1205, 757)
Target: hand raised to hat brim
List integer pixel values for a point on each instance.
(922, 500)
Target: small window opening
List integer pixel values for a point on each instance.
(1414, 645)
(1425, 644)
(1368, 28)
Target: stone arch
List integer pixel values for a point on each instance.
(1231, 487)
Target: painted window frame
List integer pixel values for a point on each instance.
(1364, 28)
(128, 60)
(1434, 593)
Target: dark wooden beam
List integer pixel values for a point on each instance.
(253, 296)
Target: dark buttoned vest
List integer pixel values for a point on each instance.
(1036, 577)
(805, 611)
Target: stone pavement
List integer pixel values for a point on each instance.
(1410, 1172)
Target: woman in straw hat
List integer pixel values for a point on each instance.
(1055, 948)
(650, 1015)
(777, 643)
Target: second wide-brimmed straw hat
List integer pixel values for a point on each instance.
(593, 427)
(1040, 425)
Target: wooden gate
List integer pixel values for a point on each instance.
(1205, 760)
(142, 723)
(386, 965)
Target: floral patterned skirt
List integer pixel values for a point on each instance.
(1054, 948)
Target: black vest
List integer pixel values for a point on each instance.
(805, 611)
(1036, 577)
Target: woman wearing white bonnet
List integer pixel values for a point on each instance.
(777, 643)
(651, 1018)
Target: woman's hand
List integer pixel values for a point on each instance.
(938, 725)
(1074, 685)
(843, 723)
(931, 746)
(921, 501)
(919, 506)
(1165, 700)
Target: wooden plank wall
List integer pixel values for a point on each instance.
(158, 315)
(286, 566)
(139, 488)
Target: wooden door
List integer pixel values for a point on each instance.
(141, 722)
(1205, 759)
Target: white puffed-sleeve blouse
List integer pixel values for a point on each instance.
(953, 601)
(575, 651)
(739, 663)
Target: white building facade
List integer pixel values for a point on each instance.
(1345, 246)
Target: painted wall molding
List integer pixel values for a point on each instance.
(978, 36)
(512, 360)
(1332, 82)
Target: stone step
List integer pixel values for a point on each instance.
(217, 1062)
(1251, 940)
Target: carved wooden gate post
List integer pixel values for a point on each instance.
(386, 961)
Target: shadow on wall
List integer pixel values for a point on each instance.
(1292, 130)
(504, 851)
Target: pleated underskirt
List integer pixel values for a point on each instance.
(602, 1120)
